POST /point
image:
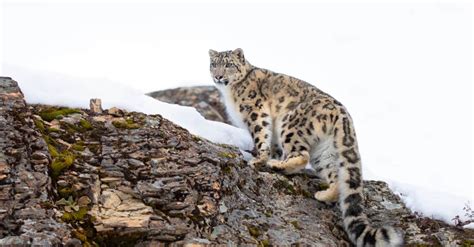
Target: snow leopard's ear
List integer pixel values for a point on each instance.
(239, 53)
(212, 53)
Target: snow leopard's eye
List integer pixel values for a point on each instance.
(229, 65)
(213, 65)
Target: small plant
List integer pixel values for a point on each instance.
(72, 211)
(469, 213)
(69, 204)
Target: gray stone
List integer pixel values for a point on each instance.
(158, 184)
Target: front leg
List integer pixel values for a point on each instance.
(260, 127)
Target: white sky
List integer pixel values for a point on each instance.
(403, 70)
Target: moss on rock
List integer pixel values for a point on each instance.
(85, 125)
(78, 146)
(254, 231)
(227, 155)
(65, 192)
(55, 113)
(284, 185)
(126, 124)
(63, 161)
(75, 215)
(40, 126)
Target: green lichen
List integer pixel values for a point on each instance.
(78, 146)
(75, 215)
(70, 128)
(65, 192)
(285, 186)
(224, 145)
(85, 125)
(55, 113)
(227, 155)
(79, 235)
(264, 243)
(49, 140)
(53, 151)
(296, 225)
(46, 204)
(254, 231)
(63, 161)
(83, 235)
(127, 124)
(81, 127)
(268, 213)
(39, 125)
(51, 130)
(95, 148)
(226, 170)
(467, 243)
(197, 138)
(306, 194)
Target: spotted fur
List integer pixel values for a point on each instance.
(293, 123)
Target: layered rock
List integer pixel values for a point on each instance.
(26, 215)
(205, 99)
(382, 205)
(117, 178)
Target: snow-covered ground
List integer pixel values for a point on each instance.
(403, 70)
(56, 89)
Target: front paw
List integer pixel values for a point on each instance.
(259, 163)
(275, 165)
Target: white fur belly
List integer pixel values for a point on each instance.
(232, 109)
(322, 153)
(277, 128)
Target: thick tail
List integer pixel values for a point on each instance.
(357, 226)
(349, 182)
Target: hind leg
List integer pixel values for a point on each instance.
(328, 171)
(331, 194)
(276, 152)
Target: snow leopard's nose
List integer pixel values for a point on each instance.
(218, 77)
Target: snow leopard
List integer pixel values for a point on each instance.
(293, 124)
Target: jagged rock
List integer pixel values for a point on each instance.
(381, 204)
(96, 105)
(205, 99)
(140, 180)
(116, 112)
(25, 217)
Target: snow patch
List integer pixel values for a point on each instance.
(430, 202)
(56, 89)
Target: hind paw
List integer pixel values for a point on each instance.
(331, 194)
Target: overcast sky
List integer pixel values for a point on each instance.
(404, 71)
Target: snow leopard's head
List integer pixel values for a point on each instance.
(228, 66)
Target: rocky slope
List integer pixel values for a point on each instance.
(75, 177)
